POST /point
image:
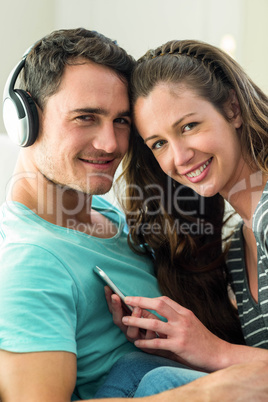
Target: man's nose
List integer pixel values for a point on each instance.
(105, 139)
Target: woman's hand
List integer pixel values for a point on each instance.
(118, 312)
(182, 335)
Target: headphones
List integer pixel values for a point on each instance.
(19, 110)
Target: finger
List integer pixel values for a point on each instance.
(154, 343)
(161, 305)
(149, 334)
(152, 334)
(117, 312)
(108, 293)
(174, 305)
(156, 326)
(133, 332)
(148, 314)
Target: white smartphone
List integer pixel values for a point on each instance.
(114, 288)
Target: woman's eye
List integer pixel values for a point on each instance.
(189, 127)
(158, 144)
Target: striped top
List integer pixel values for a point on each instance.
(253, 316)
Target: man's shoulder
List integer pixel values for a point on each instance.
(17, 218)
(21, 227)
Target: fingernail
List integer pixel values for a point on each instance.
(125, 320)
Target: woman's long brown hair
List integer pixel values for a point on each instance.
(180, 230)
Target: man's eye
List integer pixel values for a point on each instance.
(158, 144)
(85, 117)
(121, 120)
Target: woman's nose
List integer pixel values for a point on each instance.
(182, 153)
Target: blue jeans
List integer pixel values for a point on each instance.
(165, 378)
(124, 379)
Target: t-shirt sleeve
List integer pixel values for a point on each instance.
(37, 301)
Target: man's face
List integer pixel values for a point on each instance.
(85, 129)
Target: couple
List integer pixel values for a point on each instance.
(205, 123)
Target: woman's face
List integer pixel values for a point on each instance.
(192, 142)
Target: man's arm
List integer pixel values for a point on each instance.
(51, 376)
(43, 377)
(37, 376)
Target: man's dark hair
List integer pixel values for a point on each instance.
(47, 59)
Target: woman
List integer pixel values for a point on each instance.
(203, 123)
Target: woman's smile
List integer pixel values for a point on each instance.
(196, 174)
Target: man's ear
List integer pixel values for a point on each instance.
(232, 109)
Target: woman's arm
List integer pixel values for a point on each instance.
(182, 337)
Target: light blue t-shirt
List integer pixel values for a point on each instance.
(50, 298)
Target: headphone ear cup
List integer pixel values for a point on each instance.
(29, 131)
(19, 110)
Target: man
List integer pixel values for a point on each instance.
(57, 337)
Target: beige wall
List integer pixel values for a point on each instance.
(255, 42)
(139, 25)
(21, 24)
